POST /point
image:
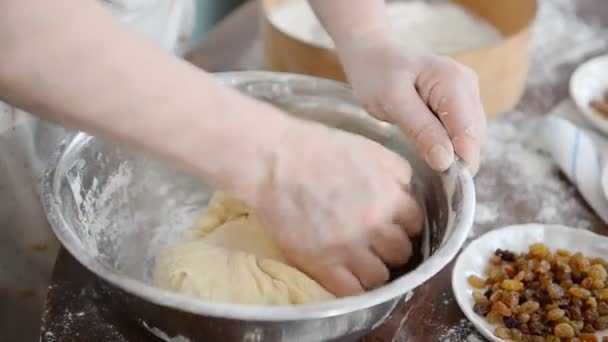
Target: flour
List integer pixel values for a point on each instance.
(420, 25)
(460, 332)
(512, 158)
(557, 51)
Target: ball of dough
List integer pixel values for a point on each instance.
(230, 258)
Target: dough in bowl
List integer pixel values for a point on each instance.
(230, 258)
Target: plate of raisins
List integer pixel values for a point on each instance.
(535, 283)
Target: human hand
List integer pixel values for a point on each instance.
(338, 206)
(432, 99)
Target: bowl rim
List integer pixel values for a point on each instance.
(266, 9)
(578, 77)
(394, 290)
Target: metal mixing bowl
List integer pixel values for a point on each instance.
(114, 209)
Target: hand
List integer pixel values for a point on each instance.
(433, 99)
(338, 206)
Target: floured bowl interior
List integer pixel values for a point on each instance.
(115, 209)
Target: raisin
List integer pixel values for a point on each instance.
(511, 322)
(502, 332)
(479, 298)
(508, 256)
(601, 323)
(597, 272)
(481, 308)
(476, 282)
(511, 299)
(575, 312)
(501, 309)
(588, 328)
(579, 292)
(555, 314)
(530, 307)
(512, 285)
(602, 308)
(555, 291)
(591, 315)
(536, 328)
(563, 330)
(587, 338)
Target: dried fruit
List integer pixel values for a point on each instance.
(602, 308)
(478, 297)
(501, 309)
(512, 285)
(555, 314)
(481, 308)
(530, 307)
(541, 296)
(516, 335)
(579, 292)
(476, 282)
(601, 323)
(563, 330)
(502, 332)
(587, 338)
(598, 272)
(511, 322)
(577, 325)
(555, 291)
(494, 317)
(539, 250)
(511, 299)
(591, 303)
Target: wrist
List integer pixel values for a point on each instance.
(243, 144)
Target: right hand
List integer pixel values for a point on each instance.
(338, 206)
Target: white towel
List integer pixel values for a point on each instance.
(579, 151)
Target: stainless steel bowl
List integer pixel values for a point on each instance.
(114, 209)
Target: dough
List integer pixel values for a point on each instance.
(230, 258)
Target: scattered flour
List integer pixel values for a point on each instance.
(440, 27)
(554, 57)
(462, 331)
(513, 158)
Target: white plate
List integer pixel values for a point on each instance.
(589, 81)
(474, 259)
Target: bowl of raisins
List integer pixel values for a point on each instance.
(535, 283)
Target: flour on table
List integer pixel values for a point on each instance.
(553, 55)
(439, 27)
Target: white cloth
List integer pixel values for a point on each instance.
(580, 151)
(27, 246)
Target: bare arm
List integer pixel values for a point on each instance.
(70, 62)
(405, 87)
(347, 20)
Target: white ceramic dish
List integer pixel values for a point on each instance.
(589, 81)
(474, 258)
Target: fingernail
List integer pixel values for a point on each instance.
(439, 157)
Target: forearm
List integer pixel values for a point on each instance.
(348, 20)
(70, 62)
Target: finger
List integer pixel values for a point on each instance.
(338, 280)
(452, 92)
(391, 244)
(368, 268)
(406, 110)
(409, 215)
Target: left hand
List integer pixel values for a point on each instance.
(433, 99)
